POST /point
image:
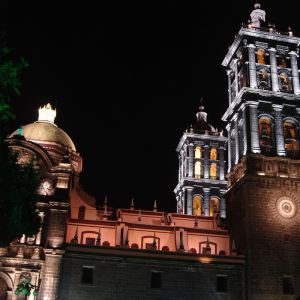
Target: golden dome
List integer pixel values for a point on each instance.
(43, 131)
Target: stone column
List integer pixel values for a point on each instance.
(206, 201)
(245, 146)
(222, 163)
(236, 75)
(191, 160)
(255, 148)
(279, 130)
(229, 86)
(228, 147)
(222, 204)
(189, 200)
(252, 66)
(206, 161)
(51, 274)
(16, 283)
(295, 72)
(274, 73)
(236, 138)
(39, 234)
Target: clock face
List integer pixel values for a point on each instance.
(46, 187)
(286, 207)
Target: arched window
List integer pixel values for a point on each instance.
(290, 137)
(265, 128)
(165, 249)
(193, 250)
(198, 169)
(213, 154)
(198, 152)
(261, 56)
(284, 82)
(263, 79)
(213, 171)
(81, 213)
(214, 206)
(197, 206)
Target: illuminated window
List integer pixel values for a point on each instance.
(213, 171)
(214, 206)
(213, 154)
(198, 169)
(198, 153)
(265, 128)
(197, 206)
(261, 56)
(290, 136)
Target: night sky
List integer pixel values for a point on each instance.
(127, 78)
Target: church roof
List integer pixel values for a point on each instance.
(44, 131)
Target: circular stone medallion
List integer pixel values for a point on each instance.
(286, 207)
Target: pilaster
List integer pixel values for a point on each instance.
(252, 66)
(255, 148)
(206, 201)
(295, 72)
(279, 129)
(274, 73)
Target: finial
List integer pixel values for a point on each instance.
(98, 242)
(140, 215)
(207, 242)
(196, 221)
(46, 113)
(75, 238)
(154, 241)
(132, 204)
(105, 199)
(154, 206)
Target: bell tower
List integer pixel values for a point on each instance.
(263, 202)
(201, 176)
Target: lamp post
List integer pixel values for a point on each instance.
(25, 287)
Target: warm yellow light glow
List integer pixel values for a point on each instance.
(214, 206)
(198, 169)
(198, 153)
(213, 171)
(213, 154)
(46, 113)
(197, 205)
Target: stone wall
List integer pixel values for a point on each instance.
(126, 274)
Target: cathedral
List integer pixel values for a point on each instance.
(235, 234)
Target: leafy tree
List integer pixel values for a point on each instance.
(18, 182)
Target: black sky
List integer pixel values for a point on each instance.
(127, 78)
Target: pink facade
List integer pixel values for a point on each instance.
(142, 229)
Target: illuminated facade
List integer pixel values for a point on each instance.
(246, 249)
(201, 177)
(263, 158)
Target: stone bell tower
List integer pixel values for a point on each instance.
(263, 202)
(201, 180)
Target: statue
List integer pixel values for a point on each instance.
(257, 15)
